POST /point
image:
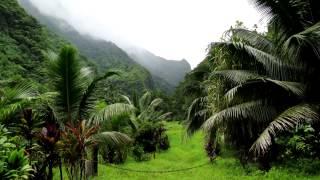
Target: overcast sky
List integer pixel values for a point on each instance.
(173, 29)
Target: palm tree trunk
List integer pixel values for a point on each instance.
(60, 169)
(50, 174)
(95, 152)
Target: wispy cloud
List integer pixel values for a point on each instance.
(173, 29)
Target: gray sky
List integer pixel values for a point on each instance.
(173, 29)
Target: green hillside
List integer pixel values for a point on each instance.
(22, 43)
(104, 54)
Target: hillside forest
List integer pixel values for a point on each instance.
(73, 106)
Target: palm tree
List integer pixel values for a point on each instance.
(273, 78)
(146, 110)
(146, 122)
(140, 111)
(75, 103)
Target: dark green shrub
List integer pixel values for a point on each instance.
(164, 143)
(139, 154)
(114, 155)
(151, 137)
(303, 142)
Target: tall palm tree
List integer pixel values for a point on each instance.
(75, 102)
(273, 78)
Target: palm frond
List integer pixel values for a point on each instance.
(197, 105)
(155, 103)
(88, 101)
(274, 66)
(65, 72)
(254, 39)
(293, 87)
(113, 138)
(286, 16)
(298, 89)
(236, 76)
(287, 120)
(309, 37)
(164, 116)
(113, 110)
(127, 99)
(193, 120)
(145, 100)
(255, 110)
(19, 92)
(14, 99)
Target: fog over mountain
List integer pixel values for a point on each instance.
(172, 29)
(166, 74)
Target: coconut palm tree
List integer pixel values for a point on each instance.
(75, 104)
(273, 77)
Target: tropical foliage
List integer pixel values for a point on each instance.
(14, 163)
(145, 117)
(269, 81)
(255, 94)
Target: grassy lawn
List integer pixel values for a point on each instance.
(188, 154)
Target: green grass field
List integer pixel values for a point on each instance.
(188, 154)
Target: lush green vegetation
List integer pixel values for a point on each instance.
(190, 153)
(24, 43)
(255, 97)
(259, 87)
(67, 125)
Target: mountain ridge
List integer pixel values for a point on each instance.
(170, 71)
(24, 44)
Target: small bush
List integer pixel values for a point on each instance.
(151, 136)
(139, 154)
(114, 155)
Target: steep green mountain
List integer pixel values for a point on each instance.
(166, 73)
(171, 71)
(23, 42)
(103, 53)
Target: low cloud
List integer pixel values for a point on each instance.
(173, 29)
